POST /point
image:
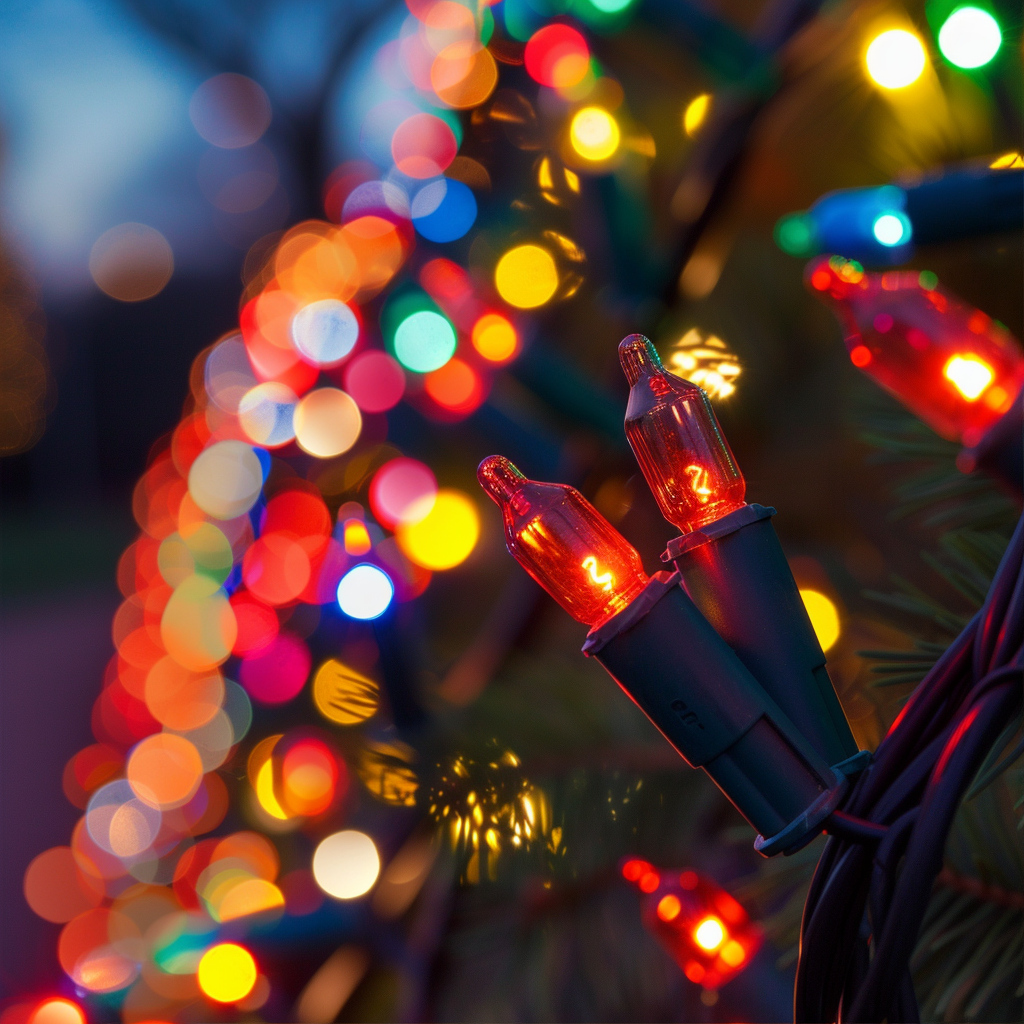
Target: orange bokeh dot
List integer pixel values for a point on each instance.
(165, 770)
(669, 907)
(309, 773)
(860, 355)
(456, 386)
(180, 699)
(464, 74)
(57, 889)
(495, 338)
(89, 950)
(379, 249)
(276, 568)
(252, 848)
(57, 1011)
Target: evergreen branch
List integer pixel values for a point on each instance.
(991, 770)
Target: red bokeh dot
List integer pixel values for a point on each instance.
(277, 672)
(375, 381)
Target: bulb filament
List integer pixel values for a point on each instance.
(699, 482)
(604, 580)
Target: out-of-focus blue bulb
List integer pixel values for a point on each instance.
(892, 228)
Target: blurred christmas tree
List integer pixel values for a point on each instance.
(414, 801)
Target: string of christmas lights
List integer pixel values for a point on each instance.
(248, 558)
(680, 646)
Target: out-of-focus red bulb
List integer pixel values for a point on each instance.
(947, 362)
(710, 935)
(675, 436)
(564, 543)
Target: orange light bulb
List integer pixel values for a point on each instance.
(947, 362)
(564, 543)
(675, 437)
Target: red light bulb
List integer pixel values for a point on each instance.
(708, 932)
(949, 363)
(564, 543)
(675, 437)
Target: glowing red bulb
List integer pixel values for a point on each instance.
(564, 543)
(947, 362)
(708, 932)
(675, 436)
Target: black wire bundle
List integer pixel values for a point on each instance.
(872, 884)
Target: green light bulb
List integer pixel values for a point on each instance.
(970, 37)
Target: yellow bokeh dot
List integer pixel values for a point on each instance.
(227, 973)
(709, 934)
(445, 536)
(695, 113)
(265, 792)
(594, 133)
(824, 617)
(494, 338)
(895, 59)
(526, 276)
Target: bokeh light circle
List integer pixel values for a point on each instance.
(227, 973)
(594, 134)
(891, 229)
(57, 888)
(119, 822)
(557, 56)
(327, 422)
(464, 74)
(198, 627)
(365, 592)
(424, 341)
(443, 210)
(423, 146)
(402, 490)
(526, 276)
(57, 1011)
(970, 37)
(164, 770)
(266, 414)
(325, 332)
(226, 479)
(131, 262)
(277, 672)
(495, 338)
(375, 381)
(445, 536)
(346, 864)
(895, 59)
(230, 111)
(824, 617)
(456, 387)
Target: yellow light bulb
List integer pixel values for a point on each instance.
(895, 59)
(969, 374)
(709, 934)
(824, 617)
(227, 973)
(594, 134)
(526, 276)
(695, 114)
